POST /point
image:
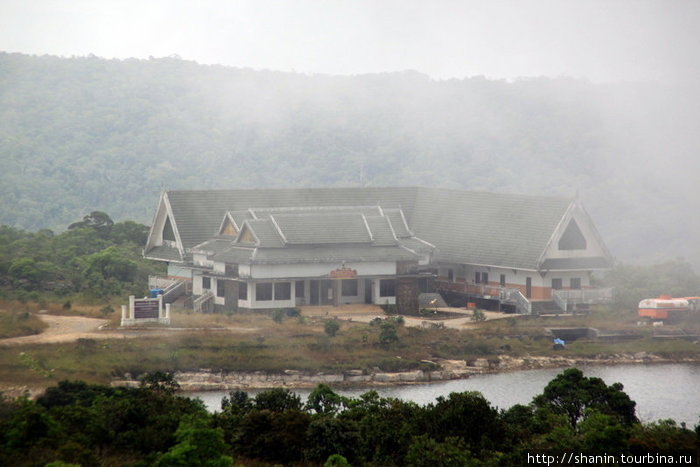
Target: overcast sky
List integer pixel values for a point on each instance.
(607, 40)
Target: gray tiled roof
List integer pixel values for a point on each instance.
(198, 213)
(266, 233)
(164, 253)
(466, 226)
(238, 255)
(487, 228)
(316, 254)
(381, 230)
(323, 228)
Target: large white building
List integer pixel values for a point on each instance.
(277, 248)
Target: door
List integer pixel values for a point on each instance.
(528, 287)
(368, 291)
(313, 292)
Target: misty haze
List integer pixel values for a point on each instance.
(342, 233)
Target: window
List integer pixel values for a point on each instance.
(168, 232)
(349, 288)
(556, 284)
(477, 277)
(283, 290)
(503, 280)
(299, 289)
(263, 291)
(387, 288)
(242, 291)
(450, 275)
(572, 238)
(206, 283)
(485, 277)
(575, 283)
(220, 292)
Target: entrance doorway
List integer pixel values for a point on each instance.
(368, 291)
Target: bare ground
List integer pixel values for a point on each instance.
(71, 328)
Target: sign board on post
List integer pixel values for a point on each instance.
(145, 310)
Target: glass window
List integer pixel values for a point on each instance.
(556, 284)
(349, 288)
(220, 292)
(299, 289)
(206, 283)
(263, 291)
(477, 277)
(242, 291)
(450, 275)
(575, 283)
(283, 290)
(387, 288)
(503, 280)
(485, 277)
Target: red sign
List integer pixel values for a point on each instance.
(344, 273)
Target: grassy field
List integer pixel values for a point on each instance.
(254, 342)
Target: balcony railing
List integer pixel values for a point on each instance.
(566, 299)
(204, 302)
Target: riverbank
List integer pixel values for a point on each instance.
(445, 370)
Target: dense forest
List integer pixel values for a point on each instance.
(84, 133)
(75, 423)
(92, 260)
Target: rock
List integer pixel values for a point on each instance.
(386, 377)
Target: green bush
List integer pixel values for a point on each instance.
(331, 326)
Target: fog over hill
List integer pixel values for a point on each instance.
(79, 134)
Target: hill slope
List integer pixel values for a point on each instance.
(80, 134)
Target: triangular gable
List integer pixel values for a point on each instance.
(228, 226)
(246, 235)
(164, 232)
(575, 243)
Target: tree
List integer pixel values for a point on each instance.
(278, 400)
(467, 415)
(571, 393)
(323, 400)
(426, 452)
(99, 221)
(197, 445)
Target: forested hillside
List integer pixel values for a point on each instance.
(85, 134)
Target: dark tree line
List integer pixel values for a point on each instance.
(95, 256)
(84, 424)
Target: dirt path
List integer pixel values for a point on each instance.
(366, 313)
(61, 329)
(71, 328)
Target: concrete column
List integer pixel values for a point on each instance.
(131, 307)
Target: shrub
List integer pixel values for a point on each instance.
(331, 326)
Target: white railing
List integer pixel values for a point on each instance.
(203, 302)
(159, 282)
(522, 304)
(174, 291)
(561, 302)
(564, 298)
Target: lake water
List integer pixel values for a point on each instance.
(660, 390)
